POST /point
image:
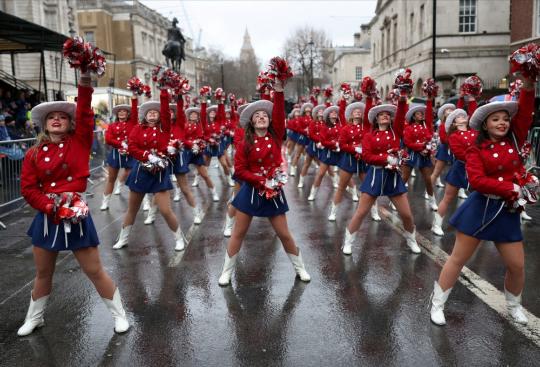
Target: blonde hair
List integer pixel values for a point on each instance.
(44, 137)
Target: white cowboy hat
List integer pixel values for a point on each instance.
(260, 105)
(147, 106)
(242, 108)
(40, 112)
(452, 116)
(119, 107)
(413, 109)
(327, 111)
(316, 109)
(192, 109)
(373, 112)
(482, 113)
(304, 106)
(443, 108)
(353, 106)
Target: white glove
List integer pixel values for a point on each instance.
(319, 145)
(153, 159)
(358, 149)
(171, 150)
(337, 148)
(124, 145)
(393, 161)
(518, 189)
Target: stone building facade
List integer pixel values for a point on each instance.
(134, 35)
(56, 15)
(472, 37)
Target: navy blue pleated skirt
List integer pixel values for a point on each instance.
(225, 142)
(180, 164)
(418, 160)
(293, 135)
(142, 181)
(302, 139)
(457, 175)
(383, 182)
(250, 202)
(350, 164)
(82, 235)
(117, 160)
(312, 150)
(330, 157)
(443, 153)
(214, 150)
(487, 219)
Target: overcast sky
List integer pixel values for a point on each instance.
(269, 22)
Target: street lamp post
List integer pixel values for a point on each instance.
(434, 40)
(73, 33)
(311, 44)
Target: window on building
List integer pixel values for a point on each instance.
(388, 48)
(394, 39)
(89, 37)
(467, 16)
(51, 18)
(358, 73)
(411, 27)
(421, 22)
(537, 17)
(382, 45)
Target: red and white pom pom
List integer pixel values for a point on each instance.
(219, 94)
(182, 86)
(138, 87)
(403, 81)
(84, 56)
(274, 184)
(279, 69)
(430, 88)
(241, 101)
(263, 82)
(328, 92)
(165, 77)
(401, 155)
(368, 86)
(393, 97)
(205, 91)
(195, 101)
(515, 88)
(472, 86)
(357, 96)
(345, 89)
(231, 97)
(526, 60)
(316, 91)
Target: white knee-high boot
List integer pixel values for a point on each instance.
(438, 299)
(121, 323)
(123, 237)
(228, 267)
(34, 316)
(299, 267)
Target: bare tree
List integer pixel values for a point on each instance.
(305, 51)
(233, 75)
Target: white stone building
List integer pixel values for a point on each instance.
(472, 37)
(56, 15)
(349, 63)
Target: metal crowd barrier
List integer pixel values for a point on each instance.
(11, 157)
(534, 158)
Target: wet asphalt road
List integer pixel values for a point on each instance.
(369, 309)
